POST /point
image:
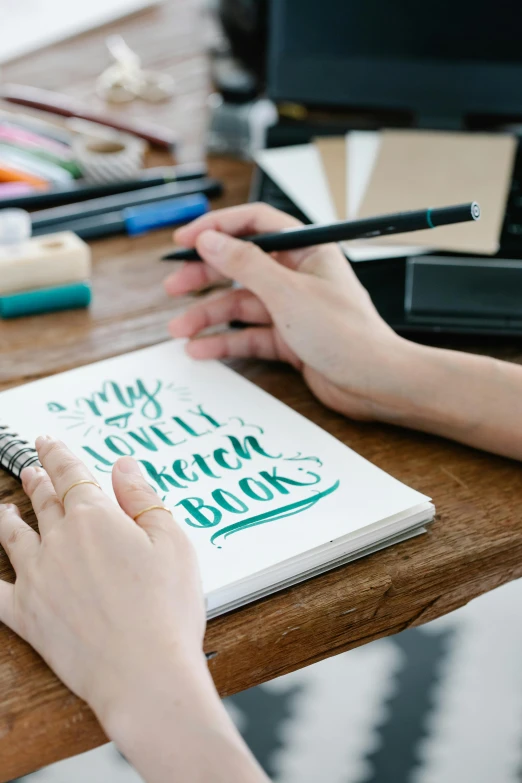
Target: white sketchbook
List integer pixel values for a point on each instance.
(266, 497)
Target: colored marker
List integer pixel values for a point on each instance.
(134, 220)
(81, 191)
(9, 173)
(48, 219)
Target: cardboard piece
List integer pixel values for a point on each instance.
(420, 169)
(333, 153)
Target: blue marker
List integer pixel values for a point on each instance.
(133, 220)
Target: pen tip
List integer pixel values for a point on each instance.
(475, 211)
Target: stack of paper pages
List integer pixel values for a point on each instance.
(365, 174)
(266, 496)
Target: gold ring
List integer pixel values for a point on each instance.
(77, 484)
(152, 508)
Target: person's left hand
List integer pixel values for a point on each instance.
(107, 601)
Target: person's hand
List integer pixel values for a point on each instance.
(104, 599)
(305, 307)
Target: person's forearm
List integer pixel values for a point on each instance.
(476, 400)
(173, 726)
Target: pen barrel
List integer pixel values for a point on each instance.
(368, 228)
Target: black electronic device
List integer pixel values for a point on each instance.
(440, 62)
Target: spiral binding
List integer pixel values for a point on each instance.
(15, 453)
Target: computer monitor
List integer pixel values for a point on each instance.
(444, 59)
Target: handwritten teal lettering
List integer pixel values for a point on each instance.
(279, 482)
(164, 481)
(198, 518)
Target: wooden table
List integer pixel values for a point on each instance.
(475, 544)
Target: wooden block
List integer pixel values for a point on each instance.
(44, 262)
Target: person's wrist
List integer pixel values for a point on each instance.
(419, 387)
(139, 687)
(394, 384)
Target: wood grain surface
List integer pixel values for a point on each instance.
(474, 545)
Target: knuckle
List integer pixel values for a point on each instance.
(15, 536)
(84, 511)
(138, 490)
(64, 468)
(50, 447)
(48, 503)
(244, 251)
(36, 480)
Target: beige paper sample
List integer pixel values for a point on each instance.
(419, 169)
(332, 151)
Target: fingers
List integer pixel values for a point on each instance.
(18, 539)
(237, 221)
(39, 489)
(134, 495)
(248, 265)
(191, 277)
(256, 342)
(64, 470)
(237, 305)
(7, 614)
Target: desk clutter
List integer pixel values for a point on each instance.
(39, 275)
(84, 179)
(364, 174)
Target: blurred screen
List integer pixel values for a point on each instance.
(455, 30)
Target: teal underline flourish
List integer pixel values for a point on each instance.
(271, 516)
(428, 219)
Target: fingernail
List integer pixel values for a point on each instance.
(41, 439)
(128, 465)
(212, 241)
(27, 473)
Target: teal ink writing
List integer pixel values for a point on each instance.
(251, 487)
(275, 514)
(164, 480)
(179, 466)
(98, 457)
(242, 449)
(200, 412)
(138, 397)
(219, 456)
(229, 502)
(198, 518)
(164, 436)
(278, 482)
(201, 462)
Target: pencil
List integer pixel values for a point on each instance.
(369, 228)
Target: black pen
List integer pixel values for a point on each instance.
(400, 223)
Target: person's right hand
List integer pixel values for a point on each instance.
(305, 307)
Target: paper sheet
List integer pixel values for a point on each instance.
(251, 481)
(27, 25)
(298, 171)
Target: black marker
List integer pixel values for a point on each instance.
(81, 190)
(368, 228)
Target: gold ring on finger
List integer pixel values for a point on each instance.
(152, 508)
(77, 484)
